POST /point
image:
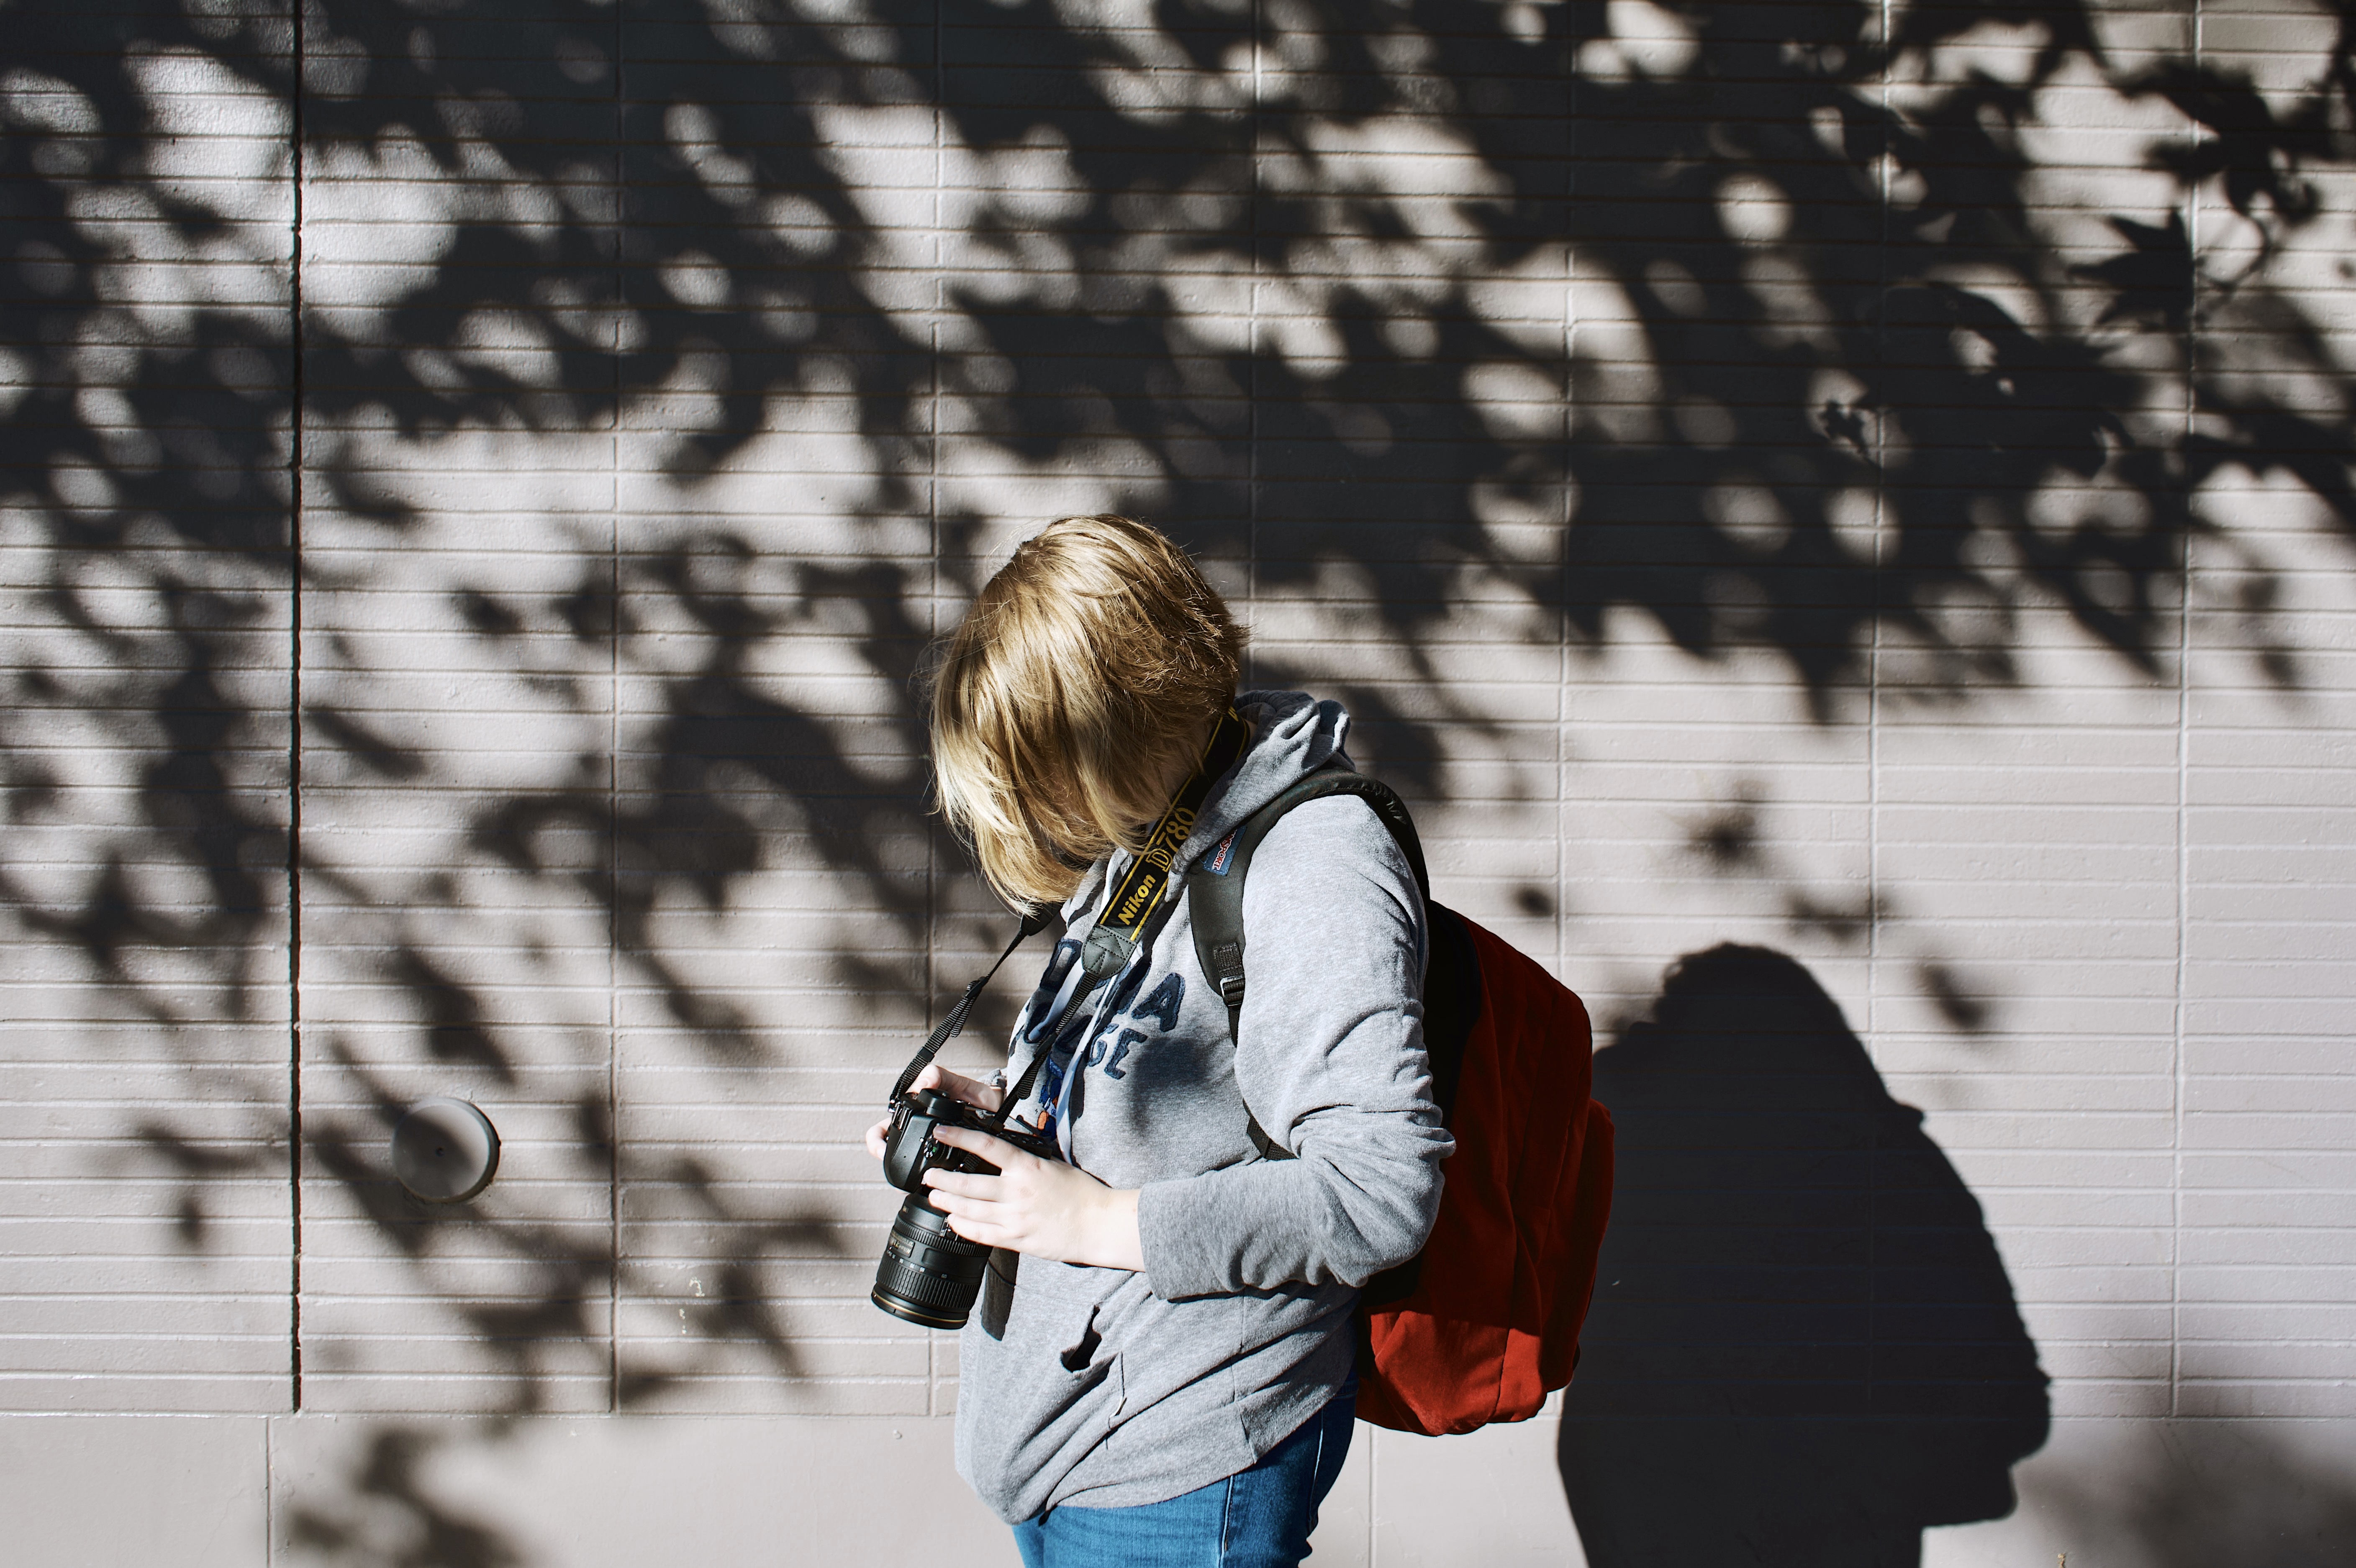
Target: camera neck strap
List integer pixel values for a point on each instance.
(952, 1025)
(1138, 893)
(1127, 911)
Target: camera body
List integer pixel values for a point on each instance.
(928, 1274)
(910, 1148)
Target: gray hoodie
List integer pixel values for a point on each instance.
(1105, 1389)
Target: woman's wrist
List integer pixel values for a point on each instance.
(1117, 1242)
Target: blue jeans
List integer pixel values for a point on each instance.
(1258, 1517)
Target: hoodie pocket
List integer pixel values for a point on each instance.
(1039, 1401)
(1075, 1325)
(1082, 1352)
(1094, 1369)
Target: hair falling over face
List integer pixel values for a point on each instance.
(1084, 675)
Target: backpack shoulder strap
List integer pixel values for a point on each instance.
(1214, 887)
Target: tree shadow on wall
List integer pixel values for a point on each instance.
(646, 218)
(1804, 1348)
(387, 1516)
(2204, 1494)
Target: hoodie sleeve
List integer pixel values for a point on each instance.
(1330, 1061)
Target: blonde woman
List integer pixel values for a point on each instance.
(1158, 1369)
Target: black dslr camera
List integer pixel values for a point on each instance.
(929, 1274)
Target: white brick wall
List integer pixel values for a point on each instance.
(1739, 462)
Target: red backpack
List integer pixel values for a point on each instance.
(1483, 1323)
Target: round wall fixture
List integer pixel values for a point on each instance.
(445, 1150)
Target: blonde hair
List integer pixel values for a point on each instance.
(1084, 672)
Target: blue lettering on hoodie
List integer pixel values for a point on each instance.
(1161, 1004)
(1112, 1067)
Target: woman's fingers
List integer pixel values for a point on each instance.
(998, 1151)
(978, 1224)
(972, 1091)
(1038, 1206)
(971, 1203)
(993, 1211)
(958, 1086)
(964, 1184)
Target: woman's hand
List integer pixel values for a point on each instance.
(1042, 1207)
(956, 1085)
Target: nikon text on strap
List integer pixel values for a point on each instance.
(1132, 903)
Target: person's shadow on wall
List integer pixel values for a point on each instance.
(1804, 1349)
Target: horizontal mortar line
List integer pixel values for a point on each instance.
(19, 1374)
(219, 1337)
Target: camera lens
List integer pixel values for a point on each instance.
(929, 1274)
